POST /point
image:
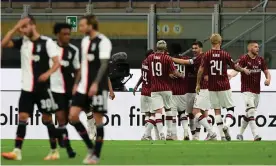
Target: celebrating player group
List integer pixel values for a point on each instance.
(189, 87)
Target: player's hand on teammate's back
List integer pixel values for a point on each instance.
(172, 76)
(267, 82)
(112, 95)
(44, 77)
(93, 90)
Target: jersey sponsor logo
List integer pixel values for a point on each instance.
(70, 55)
(36, 58)
(64, 63)
(38, 48)
(93, 47)
(90, 57)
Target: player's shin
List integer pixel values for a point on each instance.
(100, 134)
(75, 121)
(63, 132)
(20, 134)
(202, 120)
(174, 126)
(169, 119)
(192, 124)
(159, 123)
(52, 134)
(184, 123)
(252, 124)
(149, 127)
(147, 117)
(91, 125)
(244, 123)
(220, 125)
(229, 116)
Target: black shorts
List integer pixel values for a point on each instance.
(43, 99)
(97, 103)
(63, 101)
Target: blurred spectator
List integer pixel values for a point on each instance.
(268, 59)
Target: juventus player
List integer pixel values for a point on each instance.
(202, 99)
(36, 53)
(215, 62)
(250, 86)
(64, 83)
(93, 87)
(145, 98)
(160, 67)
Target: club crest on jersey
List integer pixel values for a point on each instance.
(90, 57)
(93, 47)
(36, 58)
(38, 48)
(259, 62)
(69, 55)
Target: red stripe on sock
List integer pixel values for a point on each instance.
(184, 118)
(151, 121)
(209, 121)
(201, 117)
(82, 132)
(229, 116)
(19, 139)
(169, 117)
(158, 121)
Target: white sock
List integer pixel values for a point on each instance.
(252, 122)
(158, 121)
(229, 118)
(185, 125)
(202, 120)
(146, 120)
(174, 126)
(169, 121)
(244, 124)
(149, 127)
(157, 137)
(220, 125)
(192, 125)
(209, 119)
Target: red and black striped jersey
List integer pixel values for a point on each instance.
(215, 62)
(160, 65)
(251, 83)
(197, 62)
(179, 84)
(145, 79)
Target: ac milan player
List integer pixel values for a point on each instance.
(215, 62)
(250, 86)
(202, 100)
(146, 98)
(36, 51)
(160, 67)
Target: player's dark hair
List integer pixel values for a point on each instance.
(198, 43)
(252, 42)
(92, 20)
(32, 19)
(175, 49)
(59, 26)
(150, 51)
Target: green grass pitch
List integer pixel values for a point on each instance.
(154, 153)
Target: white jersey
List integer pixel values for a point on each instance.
(62, 81)
(35, 60)
(93, 50)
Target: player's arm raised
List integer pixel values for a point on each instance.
(234, 73)
(105, 48)
(183, 61)
(137, 85)
(266, 72)
(173, 71)
(52, 52)
(7, 40)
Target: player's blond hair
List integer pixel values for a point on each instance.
(215, 39)
(161, 45)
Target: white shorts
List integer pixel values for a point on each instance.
(145, 104)
(221, 99)
(179, 103)
(190, 98)
(251, 99)
(161, 99)
(202, 100)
